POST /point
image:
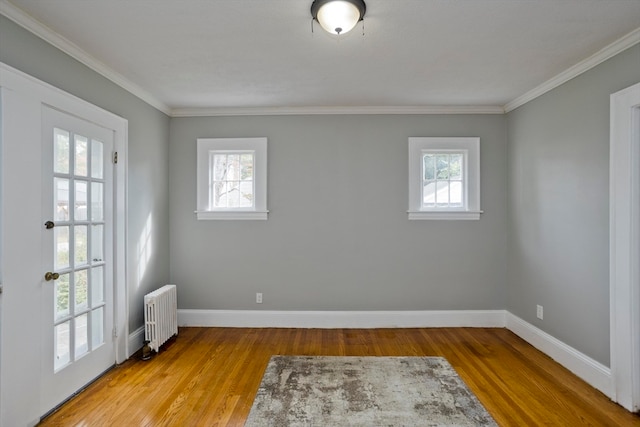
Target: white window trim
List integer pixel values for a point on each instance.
(469, 145)
(259, 147)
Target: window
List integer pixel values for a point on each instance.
(444, 178)
(232, 178)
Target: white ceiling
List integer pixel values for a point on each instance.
(235, 54)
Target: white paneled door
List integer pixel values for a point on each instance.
(77, 254)
(63, 310)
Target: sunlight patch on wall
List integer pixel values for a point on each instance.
(145, 249)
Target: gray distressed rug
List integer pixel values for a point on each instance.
(364, 391)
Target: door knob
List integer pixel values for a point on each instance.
(49, 225)
(51, 276)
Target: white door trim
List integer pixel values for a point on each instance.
(39, 93)
(624, 200)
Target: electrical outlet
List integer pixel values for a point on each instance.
(540, 312)
(259, 298)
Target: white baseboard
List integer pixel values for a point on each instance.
(136, 340)
(341, 319)
(590, 370)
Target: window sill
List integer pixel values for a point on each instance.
(231, 215)
(444, 215)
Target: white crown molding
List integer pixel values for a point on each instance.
(336, 110)
(597, 58)
(47, 34)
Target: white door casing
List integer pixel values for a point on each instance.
(22, 98)
(624, 249)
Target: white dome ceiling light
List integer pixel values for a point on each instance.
(338, 16)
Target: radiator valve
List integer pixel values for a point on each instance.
(146, 351)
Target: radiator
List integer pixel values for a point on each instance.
(160, 316)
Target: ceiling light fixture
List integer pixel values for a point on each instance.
(338, 16)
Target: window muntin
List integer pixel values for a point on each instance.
(443, 177)
(232, 180)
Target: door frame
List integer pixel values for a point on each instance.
(15, 84)
(624, 234)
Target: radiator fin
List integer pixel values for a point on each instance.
(160, 316)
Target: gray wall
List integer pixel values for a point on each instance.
(559, 206)
(338, 237)
(148, 150)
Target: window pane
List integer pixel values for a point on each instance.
(97, 327)
(429, 163)
(224, 197)
(81, 290)
(97, 239)
(61, 242)
(429, 194)
(233, 194)
(80, 201)
(219, 194)
(233, 167)
(442, 193)
(246, 162)
(62, 353)
(62, 296)
(97, 286)
(442, 165)
(80, 237)
(455, 188)
(60, 151)
(97, 159)
(61, 199)
(219, 167)
(81, 335)
(81, 155)
(246, 194)
(456, 166)
(97, 201)
(233, 189)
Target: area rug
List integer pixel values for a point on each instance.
(364, 391)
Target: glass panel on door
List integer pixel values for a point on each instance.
(78, 252)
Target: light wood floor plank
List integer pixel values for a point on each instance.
(209, 377)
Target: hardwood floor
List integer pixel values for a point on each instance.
(209, 377)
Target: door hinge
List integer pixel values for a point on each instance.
(115, 333)
(115, 157)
